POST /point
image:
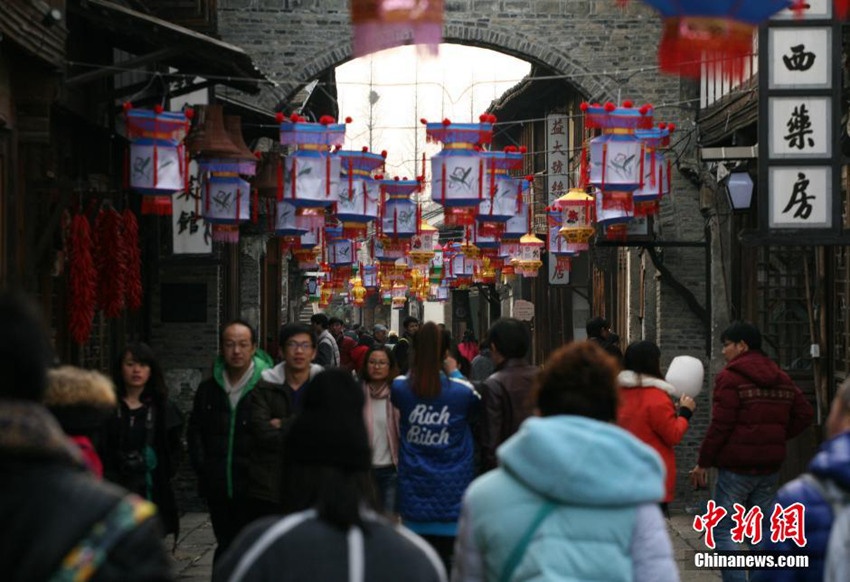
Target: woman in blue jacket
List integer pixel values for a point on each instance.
(436, 452)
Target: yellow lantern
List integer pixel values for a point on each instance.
(577, 217)
(529, 262)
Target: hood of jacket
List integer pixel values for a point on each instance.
(833, 460)
(758, 369)
(580, 461)
(28, 431)
(628, 379)
(262, 362)
(277, 375)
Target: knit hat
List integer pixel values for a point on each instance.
(330, 430)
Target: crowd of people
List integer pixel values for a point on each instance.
(356, 457)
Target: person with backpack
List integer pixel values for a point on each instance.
(219, 435)
(824, 490)
(59, 522)
(575, 496)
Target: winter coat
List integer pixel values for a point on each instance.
(301, 547)
(507, 400)
(647, 412)
(219, 438)
(327, 354)
(346, 345)
(605, 523)
(152, 484)
(757, 407)
(482, 366)
(49, 503)
(436, 453)
(358, 358)
(403, 353)
(271, 398)
(831, 465)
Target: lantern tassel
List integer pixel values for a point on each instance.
(255, 207)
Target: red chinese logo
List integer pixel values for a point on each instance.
(788, 523)
(747, 524)
(706, 523)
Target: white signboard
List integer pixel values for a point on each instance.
(800, 196)
(191, 235)
(811, 10)
(523, 310)
(557, 156)
(557, 276)
(800, 127)
(800, 58)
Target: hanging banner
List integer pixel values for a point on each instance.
(383, 24)
(557, 156)
(190, 234)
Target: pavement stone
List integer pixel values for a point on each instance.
(195, 548)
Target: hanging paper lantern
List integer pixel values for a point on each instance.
(341, 250)
(386, 295)
(617, 156)
(311, 173)
(719, 32)
(327, 296)
(422, 245)
(370, 277)
(502, 192)
(400, 215)
(458, 170)
(464, 260)
(399, 295)
(358, 292)
(529, 262)
(485, 273)
(358, 193)
(517, 226)
(656, 181)
(576, 218)
(157, 162)
(556, 245)
(227, 203)
(435, 271)
(609, 216)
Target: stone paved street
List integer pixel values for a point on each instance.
(196, 545)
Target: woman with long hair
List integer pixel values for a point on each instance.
(436, 452)
(330, 531)
(647, 409)
(379, 371)
(142, 443)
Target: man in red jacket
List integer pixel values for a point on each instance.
(756, 408)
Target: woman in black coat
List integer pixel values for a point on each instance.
(142, 442)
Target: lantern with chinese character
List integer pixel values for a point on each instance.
(576, 218)
(435, 272)
(358, 193)
(502, 192)
(529, 262)
(400, 215)
(227, 202)
(484, 237)
(464, 259)
(156, 165)
(617, 156)
(311, 174)
(422, 245)
(399, 295)
(458, 170)
(386, 294)
(306, 252)
(517, 226)
(719, 32)
(656, 181)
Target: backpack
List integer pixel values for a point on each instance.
(837, 559)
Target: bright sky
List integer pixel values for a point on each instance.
(459, 83)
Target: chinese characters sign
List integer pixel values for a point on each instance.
(557, 156)
(786, 523)
(798, 169)
(191, 235)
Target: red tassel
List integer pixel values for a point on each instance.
(255, 207)
(604, 163)
(350, 179)
(133, 286)
(443, 167)
(519, 197)
(660, 179)
(155, 164)
(157, 205)
(271, 216)
(294, 176)
(185, 154)
(82, 280)
(642, 162)
(327, 176)
(652, 167)
(842, 8)
(584, 171)
(423, 166)
(669, 176)
(238, 204)
(279, 180)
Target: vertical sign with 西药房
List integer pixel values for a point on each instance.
(557, 156)
(798, 154)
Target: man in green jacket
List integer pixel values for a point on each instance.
(219, 436)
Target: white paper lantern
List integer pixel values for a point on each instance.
(227, 200)
(615, 162)
(310, 178)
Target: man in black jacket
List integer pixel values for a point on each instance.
(404, 348)
(51, 507)
(507, 395)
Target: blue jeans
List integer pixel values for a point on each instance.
(749, 491)
(386, 481)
